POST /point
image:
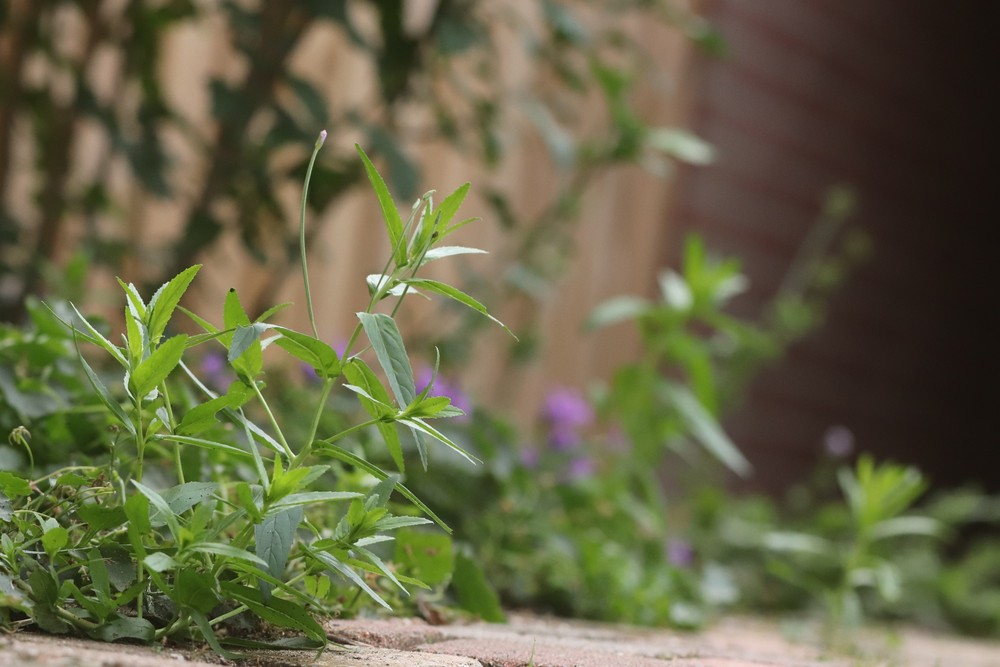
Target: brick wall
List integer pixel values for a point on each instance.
(886, 97)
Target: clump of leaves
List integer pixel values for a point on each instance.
(856, 552)
(205, 515)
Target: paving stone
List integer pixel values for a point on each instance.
(398, 633)
(362, 656)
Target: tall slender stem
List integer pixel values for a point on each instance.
(302, 231)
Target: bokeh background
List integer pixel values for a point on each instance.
(138, 137)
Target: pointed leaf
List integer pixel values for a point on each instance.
(423, 427)
(706, 429)
(387, 342)
(109, 401)
(337, 565)
(449, 251)
(165, 300)
(455, 294)
(276, 610)
(350, 458)
(390, 214)
(158, 366)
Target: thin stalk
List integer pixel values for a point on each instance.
(307, 445)
(334, 438)
(229, 614)
(172, 425)
(302, 231)
(140, 437)
(274, 422)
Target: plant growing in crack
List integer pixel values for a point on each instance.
(205, 514)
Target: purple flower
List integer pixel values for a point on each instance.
(443, 387)
(680, 553)
(838, 441)
(566, 412)
(580, 468)
(215, 370)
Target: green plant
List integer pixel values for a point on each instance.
(205, 513)
(856, 554)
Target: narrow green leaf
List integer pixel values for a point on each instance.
(160, 505)
(390, 351)
(390, 214)
(96, 337)
(165, 300)
(455, 294)
(207, 444)
(311, 497)
(449, 207)
(270, 312)
(705, 428)
(202, 417)
(449, 251)
(617, 310)
(157, 366)
(226, 551)
(133, 299)
(373, 396)
(109, 401)
(380, 566)
(276, 610)
(339, 566)
(350, 458)
(422, 426)
(137, 343)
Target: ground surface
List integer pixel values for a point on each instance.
(530, 641)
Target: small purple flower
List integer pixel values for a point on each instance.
(566, 412)
(215, 370)
(444, 387)
(680, 553)
(838, 441)
(580, 468)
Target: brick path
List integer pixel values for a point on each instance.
(529, 641)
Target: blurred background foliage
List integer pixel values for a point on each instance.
(89, 124)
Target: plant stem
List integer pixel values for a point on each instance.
(274, 422)
(302, 232)
(307, 445)
(172, 425)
